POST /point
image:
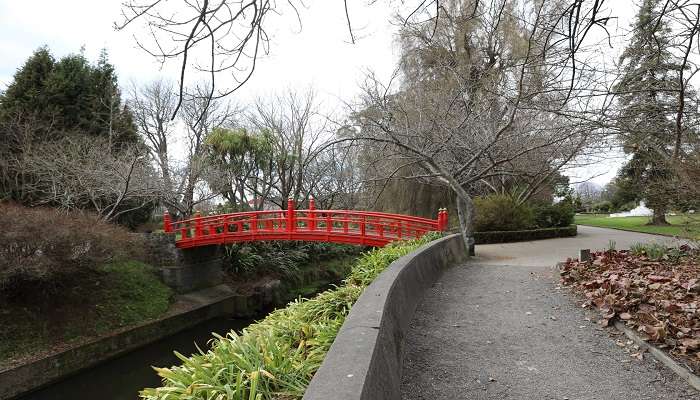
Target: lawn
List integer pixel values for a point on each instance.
(686, 225)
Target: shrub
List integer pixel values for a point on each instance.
(500, 212)
(280, 258)
(276, 357)
(39, 246)
(627, 206)
(602, 207)
(554, 215)
(526, 235)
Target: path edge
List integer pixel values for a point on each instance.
(659, 355)
(365, 360)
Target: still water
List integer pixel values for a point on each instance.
(122, 378)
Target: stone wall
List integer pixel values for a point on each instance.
(184, 270)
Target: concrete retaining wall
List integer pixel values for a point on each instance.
(366, 357)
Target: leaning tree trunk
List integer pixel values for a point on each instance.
(465, 211)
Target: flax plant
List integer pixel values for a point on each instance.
(275, 359)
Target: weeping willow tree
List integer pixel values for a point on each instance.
(483, 100)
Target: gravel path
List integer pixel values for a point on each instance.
(511, 332)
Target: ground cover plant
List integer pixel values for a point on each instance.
(652, 288)
(276, 357)
(306, 267)
(90, 304)
(685, 225)
(281, 259)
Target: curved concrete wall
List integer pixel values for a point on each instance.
(366, 357)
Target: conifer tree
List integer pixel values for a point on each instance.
(648, 98)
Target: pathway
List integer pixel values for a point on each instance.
(501, 327)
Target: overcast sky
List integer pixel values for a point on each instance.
(318, 55)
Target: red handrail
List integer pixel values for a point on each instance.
(339, 226)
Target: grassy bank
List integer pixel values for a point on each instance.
(89, 304)
(276, 357)
(687, 225)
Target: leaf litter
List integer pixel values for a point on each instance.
(660, 298)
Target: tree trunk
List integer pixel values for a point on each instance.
(465, 211)
(659, 217)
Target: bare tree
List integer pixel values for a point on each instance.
(177, 147)
(78, 173)
(18, 135)
(200, 116)
(230, 34)
(334, 177)
(484, 95)
(297, 131)
(152, 106)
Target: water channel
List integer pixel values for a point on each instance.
(121, 378)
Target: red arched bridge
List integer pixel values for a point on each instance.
(338, 226)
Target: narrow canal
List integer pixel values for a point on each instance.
(122, 378)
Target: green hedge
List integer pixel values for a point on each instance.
(500, 212)
(520, 236)
(276, 357)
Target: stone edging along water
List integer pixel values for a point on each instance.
(196, 307)
(189, 310)
(365, 360)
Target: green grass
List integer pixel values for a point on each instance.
(686, 225)
(87, 305)
(135, 294)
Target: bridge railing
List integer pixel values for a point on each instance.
(341, 226)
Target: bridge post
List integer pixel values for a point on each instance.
(167, 222)
(442, 219)
(312, 214)
(197, 225)
(290, 215)
(254, 223)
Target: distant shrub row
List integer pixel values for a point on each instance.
(500, 212)
(276, 357)
(524, 235)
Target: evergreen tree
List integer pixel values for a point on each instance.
(49, 100)
(648, 98)
(71, 96)
(27, 97)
